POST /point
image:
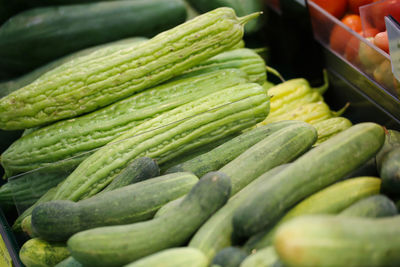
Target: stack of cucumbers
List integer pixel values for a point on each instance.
(176, 151)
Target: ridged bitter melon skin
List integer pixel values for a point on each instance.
(104, 80)
(68, 142)
(194, 124)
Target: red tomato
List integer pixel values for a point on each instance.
(381, 40)
(379, 11)
(334, 7)
(340, 36)
(351, 51)
(354, 5)
(370, 32)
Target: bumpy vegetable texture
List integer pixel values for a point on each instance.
(390, 171)
(229, 257)
(197, 123)
(330, 127)
(69, 142)
(360, 242)
(335, 158)
(241, 7)
(279, 148)
(139, 170)
(330, 200)
(245, 59)
(265, 257)
(63, 94)
(58, 220)
(99, 50)
(373, 207)
(228, 151)
(37, 36)
(118, 245)
(39, 253)
(174, 257)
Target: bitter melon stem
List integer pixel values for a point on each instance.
(243, 20)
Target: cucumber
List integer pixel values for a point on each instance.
(229, 257)
(170, 134)
(373, 207)
(8, 87)
(69, 142)
(390, 171)
(330, 200)
(37, 36)
(123, 73)
(265, 257)
(139, 170)
(392, 140)
(173, 257)
(58, 220)
(69, 262)
(26, 226)
(223, 154)
(39, 253)
(318, 168)
(118, 245)
(339, 241)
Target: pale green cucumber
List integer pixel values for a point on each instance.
(69, 262)
(118, 245)
(265, 257)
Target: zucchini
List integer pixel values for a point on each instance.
(100, 50)
(265, 257)
(39, 253)
(228, 151)
(335, 158)
(330, 200)
(58, 220)
(139, 170)
(37, 36)
(390, 171)
(189, 126)
(123, 73)
(241, 7)
(173, 257)
(69, 142)
(373, 207)
(229, 257)
(339, 241)
(69, 262)
(118, 245)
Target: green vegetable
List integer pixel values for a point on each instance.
(330, 127)
(123, 73)
(37, 36)
(39, 253)
(318, 168)
(373, 207)
(197, 123)
(58, 220)
(228, 151)
(265, 257)
(118, 245)
(69, 262)
(390, 171)
(339, 241)
(229, 257)
(392, 140)
(173, 257)
(330, 200)
(139, 170)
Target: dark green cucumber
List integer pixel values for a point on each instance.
(228, 151)
(69, 262)
(320, 167)
(58, 220)
(10, 86)
(37, 36)
(173, 257)
(241, 7)
(390, 171)
(229, 257)
(392, 140)
(39, 253)
(330, 200)
(329, 241)
(117, 245)
(373, 207)
(67, 143)
(139, 170)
